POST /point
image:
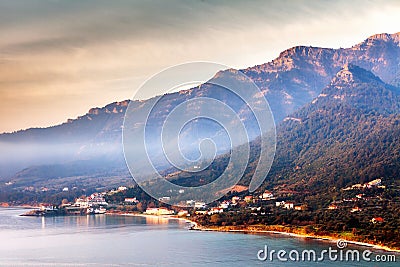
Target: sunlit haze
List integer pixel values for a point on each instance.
(60, 58)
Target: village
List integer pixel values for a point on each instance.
(124, 200)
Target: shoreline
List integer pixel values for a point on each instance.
(196, 227)
(296, 235)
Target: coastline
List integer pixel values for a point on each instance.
(248, 230)
(194, 226)
(295, 235)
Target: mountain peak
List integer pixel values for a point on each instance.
(379, 39)
(358, 87)
(351, 74)
(385, 37)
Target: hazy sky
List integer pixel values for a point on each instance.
(59, 58)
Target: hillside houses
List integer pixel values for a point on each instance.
(377, 220)
(377, 183)
(267, 195)
(285, 204)
(95, 199)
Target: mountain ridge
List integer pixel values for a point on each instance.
(277, 64)
(333, 142)
(289, 82)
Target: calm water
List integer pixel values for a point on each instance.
(104, 240)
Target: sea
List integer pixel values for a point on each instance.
(117, 240)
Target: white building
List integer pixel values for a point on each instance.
(96, 199)
(289, 205)
(215, 210)
(131, 200)
(235, 199)
(82, 202)
(45, 207)
(267, 195)
(190, 202)
(373, 183)
(224, 205)
(164, 199)
(200, 205)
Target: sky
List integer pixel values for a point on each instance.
(60, 58)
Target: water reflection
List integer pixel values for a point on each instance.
(157, 220)
(95, 221)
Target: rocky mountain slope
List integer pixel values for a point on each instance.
(289, 82)
(349, 134)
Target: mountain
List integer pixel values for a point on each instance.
(289, 82)
(349, 134)
(93, 135)
(300, 73)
